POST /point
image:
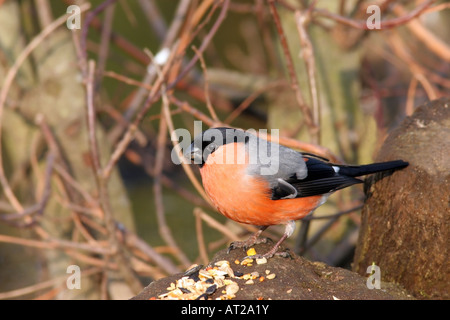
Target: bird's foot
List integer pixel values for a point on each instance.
(247, 243)
(272, 252)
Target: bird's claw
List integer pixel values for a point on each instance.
(247, 243)
(270, 254)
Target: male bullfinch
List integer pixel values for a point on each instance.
(254, 181)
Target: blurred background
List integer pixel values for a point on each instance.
(90, 95)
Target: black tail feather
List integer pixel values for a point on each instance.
(356, 171)
(324, 177)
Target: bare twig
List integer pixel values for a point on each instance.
(44, 13)
(205, 42)
(409, 109)
(91, 121)
(302, 245)
(386, 24)
(200, 239)
(215, 224)
(129, 133)
(7, 85)
(169, 41)
(154, 17)
(40, 206)
(56, 244)
(205, 80)
(87, 22)
(58, 281)
(307, 52)
(104, 44)
(291, 70)
(124, 266)
(436, 45)
(133, 241)
(247, 102)
(164, 230)
(400, 49)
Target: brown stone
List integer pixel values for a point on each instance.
(295, 279)
(406, 218)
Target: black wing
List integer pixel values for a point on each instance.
(322, 178)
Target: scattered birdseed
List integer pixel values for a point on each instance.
(251, 252)
(231, 289)
(210, 290)
(184, 290)
(199, 283)
(221, 263)
(271, 276)
(247, 262)
(261, 261)
(238, 274)
(171, 287)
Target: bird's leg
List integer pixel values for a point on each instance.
(247, 243)
(290, 227)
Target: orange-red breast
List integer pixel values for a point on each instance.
(253, 181)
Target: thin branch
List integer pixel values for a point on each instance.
(124, 266)
(91, 121)
(307, 53)
(215, 224)
(206, 83)
(40, 206)
(56, 244)
(58, 281)
(87, 22)
(302, 245)
(206, 40)
(170, 39)
(306, 111)
(417, 71)
(200, 239)
(164, 230)
(247, 102)
(432, 42)
(127, 80)
(412, 88)
(334, 215)
(152, 97)
(133, 241)
(386, 24)
(104, 44)
(7, 85)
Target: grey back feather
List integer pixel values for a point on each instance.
(269, 160)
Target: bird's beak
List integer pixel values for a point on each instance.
(193, 154)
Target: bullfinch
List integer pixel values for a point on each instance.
(253, 181)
